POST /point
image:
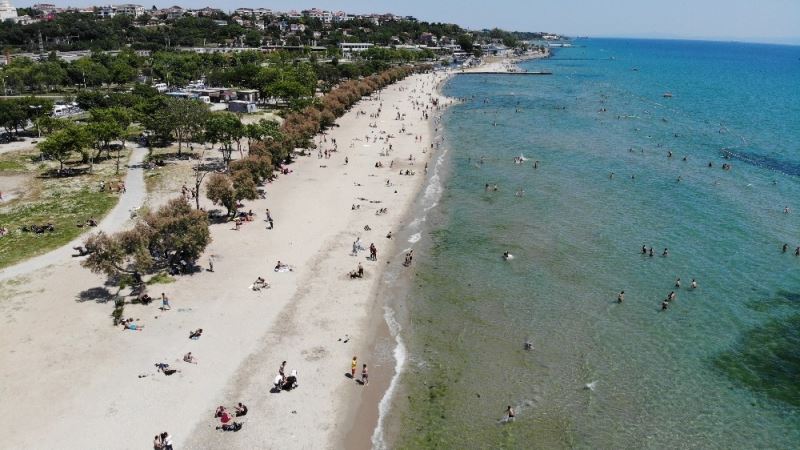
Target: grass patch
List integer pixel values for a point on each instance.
(160, 278)
(62, 201)
(63, 210)
(21, 161)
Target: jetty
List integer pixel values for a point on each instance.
(508, 73)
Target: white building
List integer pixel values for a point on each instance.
(7, 11)
(130, 9)
(105, 12)
(350, 47)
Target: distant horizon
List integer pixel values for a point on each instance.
(770, 22)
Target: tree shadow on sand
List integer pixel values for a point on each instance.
(96, 294)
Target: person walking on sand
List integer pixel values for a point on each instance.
(364, 375)
(164, 302)
(211, 263)
(281, 372)
(353, 366)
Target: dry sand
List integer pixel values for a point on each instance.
(71, 380)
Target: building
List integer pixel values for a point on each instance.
(130, 9)
(247, 95)
(7, 11)
(350, 47)
(240, 106)
(45, 7)
(105, 12)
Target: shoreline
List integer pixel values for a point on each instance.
(393, 321)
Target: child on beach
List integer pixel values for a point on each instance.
(164, 302)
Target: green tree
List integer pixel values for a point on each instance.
(175, 235)
(219, 189)
(186, 117)
(224, 128)
(62, 144)
(12, 115)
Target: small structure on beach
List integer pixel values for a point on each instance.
(241, 106)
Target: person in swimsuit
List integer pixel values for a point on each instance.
(353, 366)
(621, 297)
(364, 375)
(510, 414)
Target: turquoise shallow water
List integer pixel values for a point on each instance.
(721, 367)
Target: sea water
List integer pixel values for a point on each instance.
(720, 368)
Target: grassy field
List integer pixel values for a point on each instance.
(64, 202)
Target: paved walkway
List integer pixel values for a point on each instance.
(115, 221)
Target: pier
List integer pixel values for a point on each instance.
(508, 73)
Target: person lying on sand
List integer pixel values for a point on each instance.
(195, 335)
(259, 284)
(281, 267)
(131, 325)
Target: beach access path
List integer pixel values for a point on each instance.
(79, 382)
(115, 221)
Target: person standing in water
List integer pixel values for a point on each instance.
(510, 414)
(621, 297)
(678, 282)
(694, 284)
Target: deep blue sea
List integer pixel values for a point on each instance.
(720, 368)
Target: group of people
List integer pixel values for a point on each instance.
(226, 418)
(786, 249)
(364, 372)
(120, 186)
(283, 382)
(162, 441)
(651, 251)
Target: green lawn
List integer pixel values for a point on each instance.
(64, 202)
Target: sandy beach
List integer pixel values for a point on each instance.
(79, 382)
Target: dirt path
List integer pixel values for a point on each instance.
(131, 200)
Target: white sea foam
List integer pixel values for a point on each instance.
(415, 238)
(400, 356)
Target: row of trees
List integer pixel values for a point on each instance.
(240, 183)
(17, 113)
(77, 31)
(274, 75)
